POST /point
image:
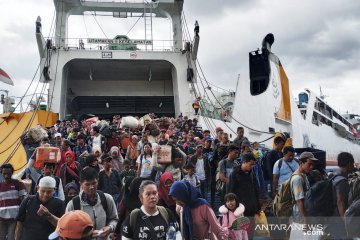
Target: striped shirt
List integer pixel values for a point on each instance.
(10, 199)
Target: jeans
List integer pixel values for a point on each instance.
(203, 188)
(7, 229)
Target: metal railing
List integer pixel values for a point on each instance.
(113, 44)
(118, 1)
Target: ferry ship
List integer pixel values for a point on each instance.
(127, 76)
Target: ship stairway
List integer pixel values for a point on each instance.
(148, 12)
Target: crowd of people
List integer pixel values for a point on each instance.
(108, 184)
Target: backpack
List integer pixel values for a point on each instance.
(135, 213)
(319, 199)
(262, 162)
(281, 160)
(354, 183)
(351, 217)
(76, 201)
(283, 201)
(219, 185)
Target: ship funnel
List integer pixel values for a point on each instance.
(268, 41)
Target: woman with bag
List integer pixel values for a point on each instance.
(132, 152)
(70, 170)
(197, 218)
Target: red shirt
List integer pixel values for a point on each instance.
(10, 199)
(111, 142)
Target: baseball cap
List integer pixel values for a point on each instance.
(106, 157)
(308, 155)
(199, 145)
(218, 129)
(74, 224)
(245, 143)
(57, 135)
(208, 138)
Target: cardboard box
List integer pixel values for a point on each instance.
(46, 154)
(163, 156)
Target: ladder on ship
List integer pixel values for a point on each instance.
(148, 12)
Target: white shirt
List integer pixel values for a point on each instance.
(200, 171)
(147, 164)
(97, 141)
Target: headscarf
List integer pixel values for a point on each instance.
(72, 163)
(163, 191)
(117, 163)
(191, 197)
(117, 150)
(132, 200)
(71, 185)
(96, 149)
(71, 167)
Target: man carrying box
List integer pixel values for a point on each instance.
(47, 170)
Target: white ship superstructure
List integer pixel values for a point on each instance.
(119, 75)
(264, 105)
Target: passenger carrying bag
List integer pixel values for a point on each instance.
(354, 183)
(284, 201)
(319, 199)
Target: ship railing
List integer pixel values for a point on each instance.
(114, 44)
(118, 1)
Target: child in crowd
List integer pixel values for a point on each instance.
(258, 154)
(191, 176)
(230, 211)
(260, 220)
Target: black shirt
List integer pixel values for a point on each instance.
(110, 184)
(142, 231)
(245, 187)
(270, 159)
(37, 227)
(163, 142)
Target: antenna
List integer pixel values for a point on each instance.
(322, 95)
(237, 82)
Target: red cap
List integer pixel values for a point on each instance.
(72, 225)
(218, 129)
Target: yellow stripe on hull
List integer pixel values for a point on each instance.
(12, 126)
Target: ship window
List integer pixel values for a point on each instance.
(315, 119)
(259, 72)
(303, 98)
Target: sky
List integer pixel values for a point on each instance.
(318, 42)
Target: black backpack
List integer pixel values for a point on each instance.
(262, 162)
(76, 201)
(319, 199)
